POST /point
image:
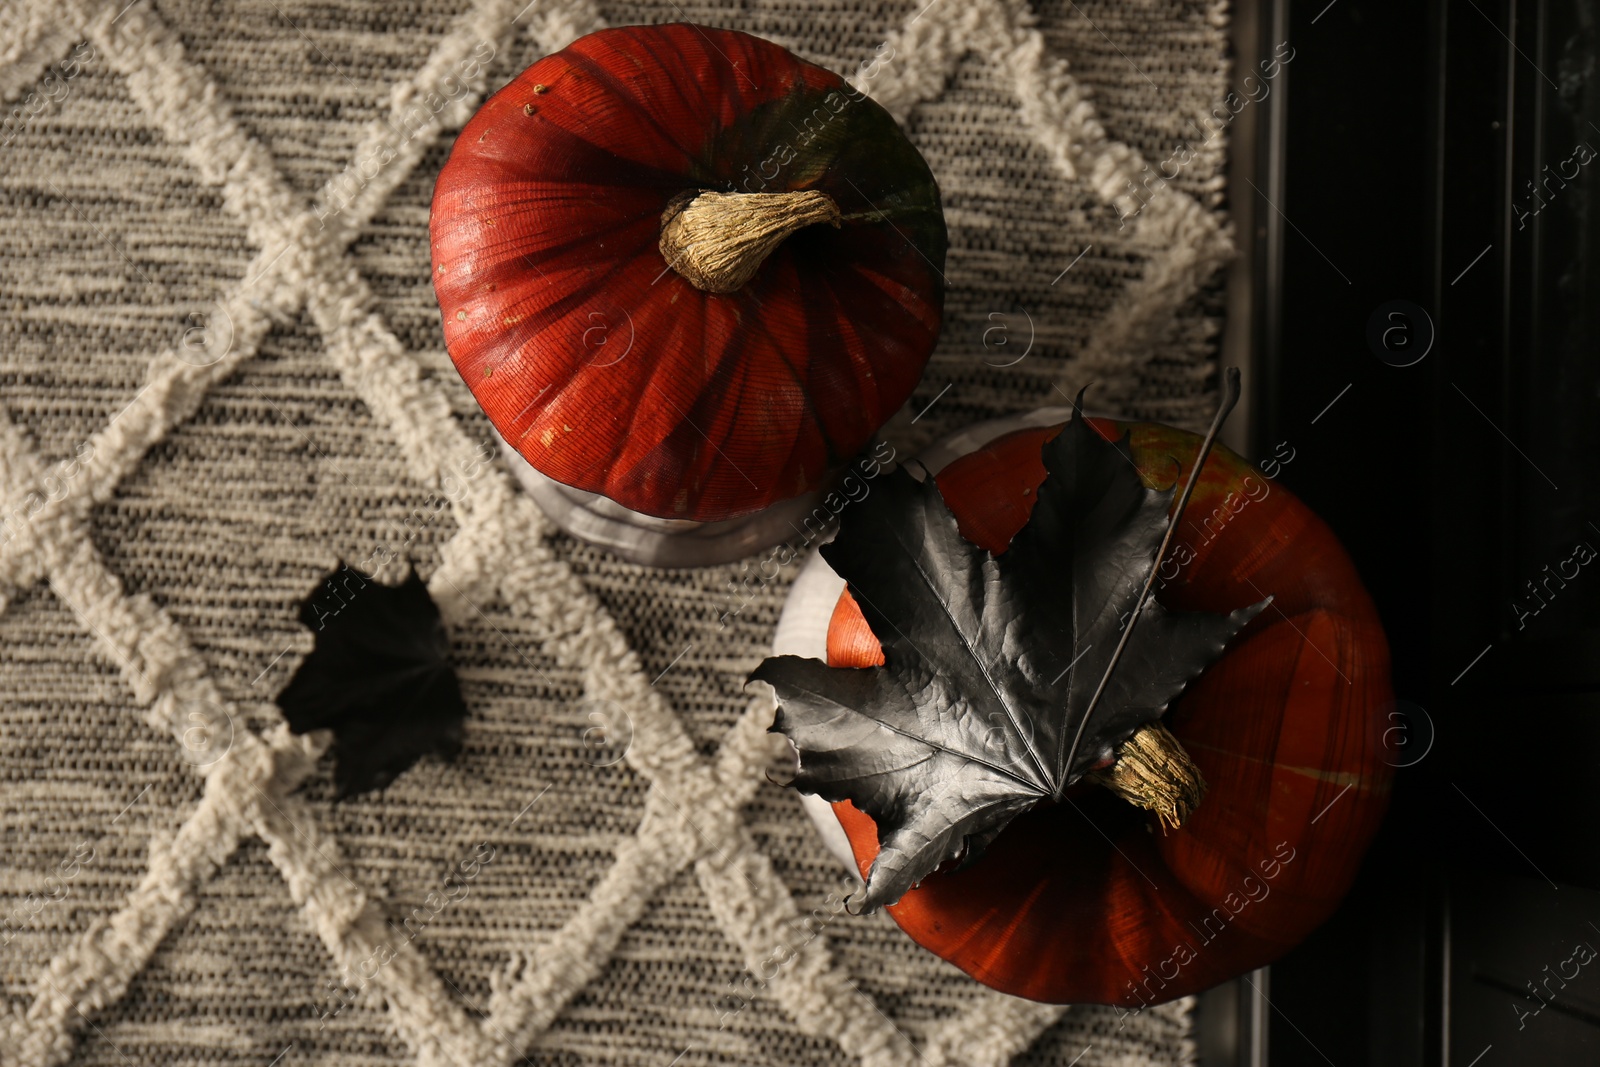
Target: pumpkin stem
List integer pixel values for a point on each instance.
(717, 241)
(1153, 771)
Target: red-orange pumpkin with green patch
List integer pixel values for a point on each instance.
(685, 269)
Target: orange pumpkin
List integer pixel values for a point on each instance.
(578, 312)
(1084, 901)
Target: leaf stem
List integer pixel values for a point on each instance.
(1230, 397)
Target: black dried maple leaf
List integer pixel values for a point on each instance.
(379, 677)
(991, 662)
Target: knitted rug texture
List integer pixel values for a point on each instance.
(221, 373)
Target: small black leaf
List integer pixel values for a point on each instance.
(379, 677)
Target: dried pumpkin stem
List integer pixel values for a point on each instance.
(717, 241)
(1153, 771)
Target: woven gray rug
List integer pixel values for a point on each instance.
(221, 372)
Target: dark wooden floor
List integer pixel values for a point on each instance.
(1431, 162)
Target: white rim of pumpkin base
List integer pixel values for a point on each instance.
(652, 541)
(803, 625)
